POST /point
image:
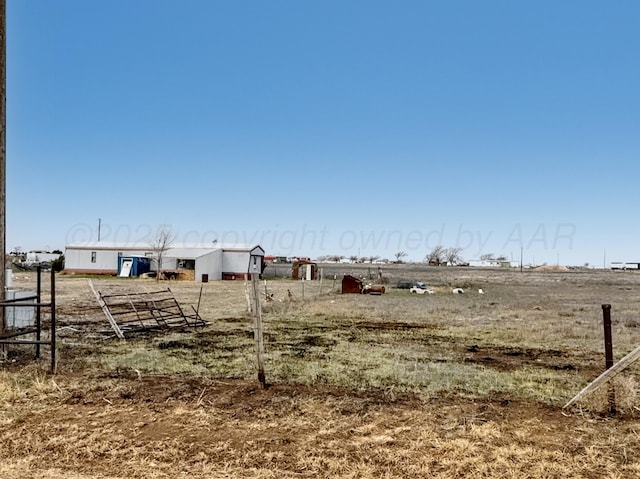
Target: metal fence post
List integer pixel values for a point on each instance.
(608, 352)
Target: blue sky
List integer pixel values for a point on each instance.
(333, 127)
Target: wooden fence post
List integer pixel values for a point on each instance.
(257, 329)
(247, 295)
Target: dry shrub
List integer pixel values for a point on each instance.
(626, 397)
(631, 322)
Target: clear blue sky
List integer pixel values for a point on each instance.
(333, 127)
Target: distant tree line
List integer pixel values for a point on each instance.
(438, 256)
(353, 259)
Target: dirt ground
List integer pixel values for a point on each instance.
(173, 427)
(100, 423)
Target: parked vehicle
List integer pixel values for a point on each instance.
(405, 284)
(410, 283)
(421, 290)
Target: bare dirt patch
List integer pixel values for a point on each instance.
(509, 359)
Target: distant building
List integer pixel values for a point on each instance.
(485, 263)
(277, 259)
(39, 257)
(621, 265)
(493, 263)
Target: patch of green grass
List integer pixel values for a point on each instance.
(419, 372)
(418, 358)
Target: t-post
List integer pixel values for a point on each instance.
(608, 353)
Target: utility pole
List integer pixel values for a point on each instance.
(3, 151)
(521, 253)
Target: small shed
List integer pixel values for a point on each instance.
(351, 285)
(304, 269)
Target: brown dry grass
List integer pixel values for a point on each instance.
(389, 386)
(169, 427)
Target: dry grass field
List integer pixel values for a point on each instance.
(360, 386)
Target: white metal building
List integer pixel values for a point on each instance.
(216, 261)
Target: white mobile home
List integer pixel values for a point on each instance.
(493, 263)
(211, 261)
(485, 263)
(620, 265)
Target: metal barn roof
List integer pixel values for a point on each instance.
(142, 246)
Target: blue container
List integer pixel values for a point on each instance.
(139, 264)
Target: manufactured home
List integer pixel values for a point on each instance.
(194, 261)
(620, 265)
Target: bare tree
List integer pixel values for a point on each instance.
(436, 256)
(159, 244)
(399, 255)
(452, 256)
